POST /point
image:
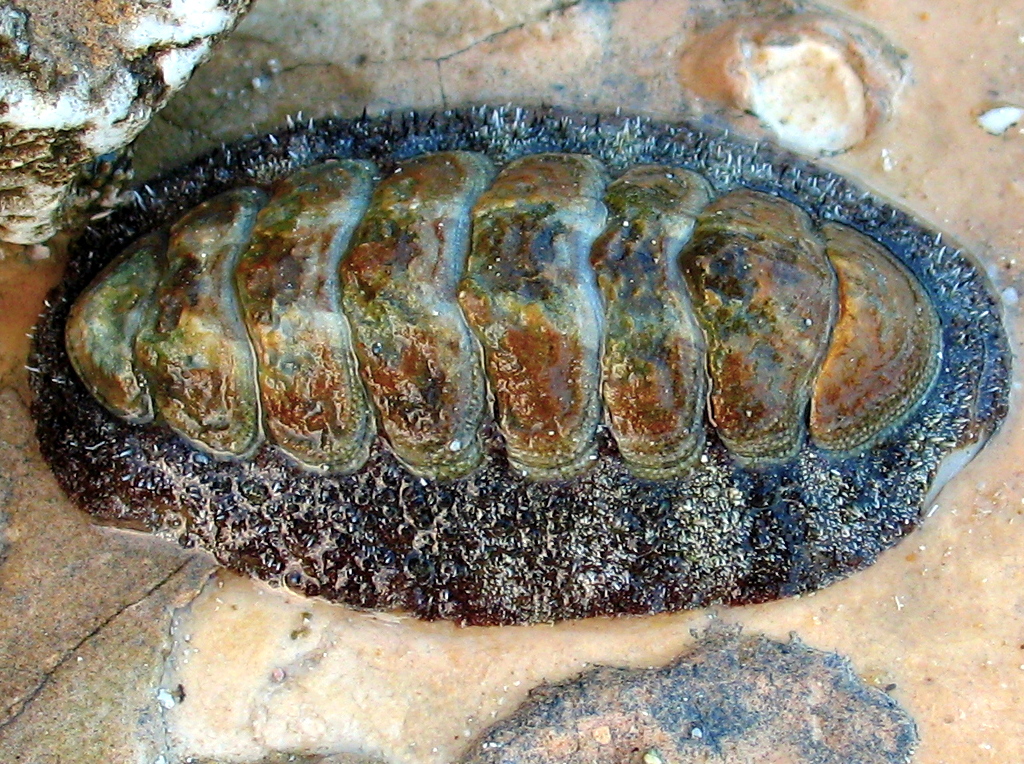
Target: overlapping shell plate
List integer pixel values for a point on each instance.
(506, 366)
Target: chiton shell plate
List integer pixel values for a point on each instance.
(659, 367)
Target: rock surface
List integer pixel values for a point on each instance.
(77, 682)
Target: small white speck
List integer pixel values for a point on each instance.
(887, 161)
(165, 698)
(899, 605)
(1010, 296)
(1000, 119)
(697, 733)
(455, 445)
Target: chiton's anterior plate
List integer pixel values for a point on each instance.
(504, 366)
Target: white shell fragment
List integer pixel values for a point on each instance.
(74, 86)
(1000, 119)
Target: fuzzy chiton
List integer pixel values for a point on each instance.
(504, 366)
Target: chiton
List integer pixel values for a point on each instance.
(506, 366)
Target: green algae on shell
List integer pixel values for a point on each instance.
(529, 295)
(111, 310)
(565, 527)
(766, 297)
(419, 358)
(193, 346)
(653, 359)
(314, 408)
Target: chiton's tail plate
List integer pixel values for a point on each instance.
(885, 347)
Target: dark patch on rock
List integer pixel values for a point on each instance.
(732, 699)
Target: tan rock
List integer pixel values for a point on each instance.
(939, 617)
(81, 636)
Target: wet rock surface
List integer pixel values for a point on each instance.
(84, 672)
